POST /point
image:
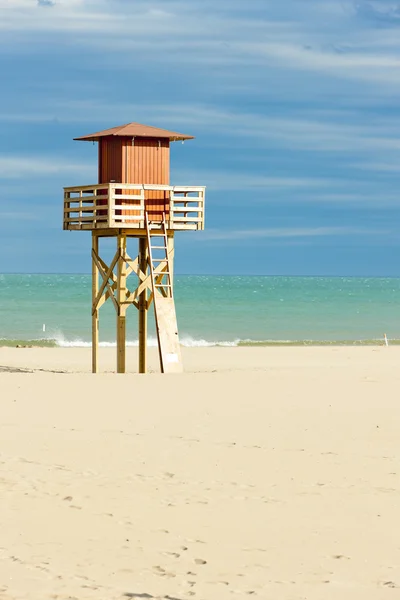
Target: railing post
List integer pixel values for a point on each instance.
(142, 208)
(80, 208)
(94, 194)
(201, 204)
(66, 205)
(111, 204)
(171, 208)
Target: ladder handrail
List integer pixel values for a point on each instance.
(154, 284)
(166, 255)
(163, 301)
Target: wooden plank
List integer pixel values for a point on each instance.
(130, 229)
(123, 217)
(186, 209)
(84, 188)
(105, 267)
(186, 219)
(146, 284)
(85, 219)
(167, 333)
(121, 342)
(105, 276)
(156, 187)
(164, 307)
(119, 224)
(170, 255)
(188, 188)
(136, 197)
(132, 266)
(110, 232)
(128, 186)
(83, 209)
(101, 225)
(121, 298)
(95, 313)
(86, 199)
(143, 265)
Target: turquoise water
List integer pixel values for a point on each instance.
(211, 310)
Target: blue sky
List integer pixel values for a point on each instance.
(295, 106)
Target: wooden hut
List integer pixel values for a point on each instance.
(134, 199)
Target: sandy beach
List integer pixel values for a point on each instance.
(268, 473)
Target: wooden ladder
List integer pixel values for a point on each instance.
(163, 297)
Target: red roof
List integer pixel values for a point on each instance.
(136, 130)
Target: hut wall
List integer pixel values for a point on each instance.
(110, 159)
(110, 163)
(147, 161)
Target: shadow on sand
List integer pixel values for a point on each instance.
(145, 596)
(7, 369)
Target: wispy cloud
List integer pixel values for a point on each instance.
(303, 129)
(250, 182)
(287, 232)
(381, 11)
(19, 167)
(222, 33)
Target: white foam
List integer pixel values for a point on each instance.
(186, 341)
(190, 342)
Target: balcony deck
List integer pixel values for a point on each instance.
(123, 206)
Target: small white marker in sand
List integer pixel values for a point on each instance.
(386, 340)
(44, 327)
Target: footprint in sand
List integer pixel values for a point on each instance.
(162, 572)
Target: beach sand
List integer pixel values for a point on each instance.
(268, 473)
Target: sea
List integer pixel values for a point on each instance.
(55, 310)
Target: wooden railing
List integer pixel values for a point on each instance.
(123, 205)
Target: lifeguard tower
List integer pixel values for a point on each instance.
(134, 200)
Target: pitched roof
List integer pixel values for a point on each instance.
(136, 130)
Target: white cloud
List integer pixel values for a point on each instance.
(312, 40)
(286, 232)
(349, 65)
(309, 129)
(19, 167)
(250, 182)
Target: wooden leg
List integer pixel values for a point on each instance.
(121, 299)
(143, 253)
(95, 312)
(121, 332)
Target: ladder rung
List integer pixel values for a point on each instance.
(162, 285)
(160, 259)
(158, 247)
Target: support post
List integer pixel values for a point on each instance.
(121, 301)
(143, 266)
(95, 310)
